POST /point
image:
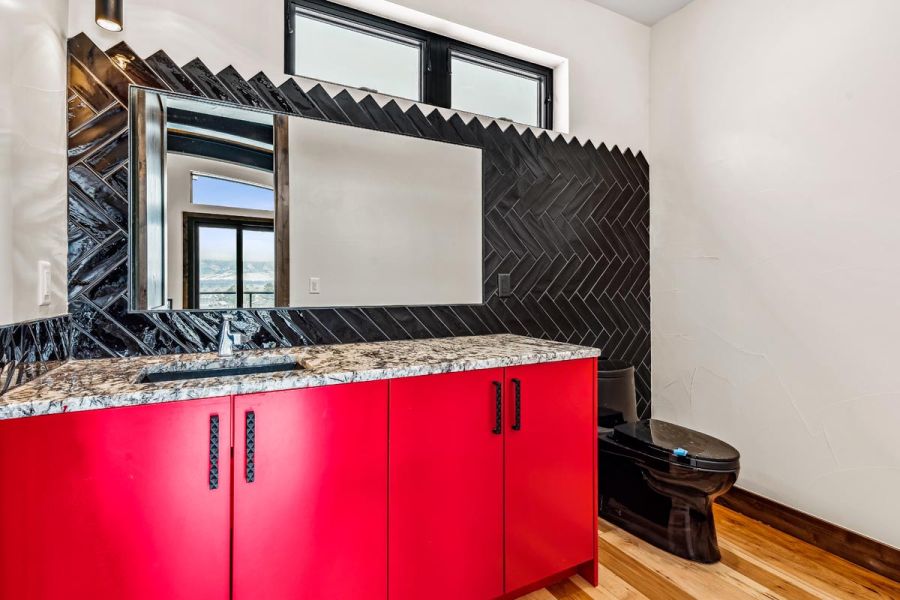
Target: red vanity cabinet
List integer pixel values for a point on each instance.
(550, 483)
(117, 503)
(487, 504)
(310, 493)
(475, 485)
(446, 486)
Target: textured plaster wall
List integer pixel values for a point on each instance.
(774, 246)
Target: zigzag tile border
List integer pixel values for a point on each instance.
(569, 221)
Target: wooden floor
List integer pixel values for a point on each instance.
(757, 562)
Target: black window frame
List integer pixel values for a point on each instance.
(435, 73)
(192, 224)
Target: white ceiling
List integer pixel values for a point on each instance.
(647, 12)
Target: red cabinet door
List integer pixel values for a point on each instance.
(116, 503)
(310, 493)
(550, 470)
(446, 487)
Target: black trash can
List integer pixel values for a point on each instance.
(615, 392)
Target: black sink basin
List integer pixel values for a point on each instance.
(206, 373)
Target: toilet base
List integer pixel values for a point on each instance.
(665, 504)
(691, 535)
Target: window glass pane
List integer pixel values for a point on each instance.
(259, 269)
(333, 52)
(480, 88)
(217, 262)
(216, 191)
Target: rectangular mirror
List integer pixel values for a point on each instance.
(241, 208)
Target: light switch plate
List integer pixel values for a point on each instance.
(43, 280)
(313, 285)
(504, 287)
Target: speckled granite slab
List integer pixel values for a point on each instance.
(106, 383)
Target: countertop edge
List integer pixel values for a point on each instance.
(253, 384)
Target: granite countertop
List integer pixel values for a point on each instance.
(106, 383)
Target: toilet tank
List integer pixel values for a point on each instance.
(615, 388)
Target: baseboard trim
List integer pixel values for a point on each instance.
(856, 548)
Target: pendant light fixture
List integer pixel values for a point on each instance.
(108, 14)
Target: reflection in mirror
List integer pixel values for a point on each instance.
(379, 219)
(227, 255)
(239, 208)
(207, 207)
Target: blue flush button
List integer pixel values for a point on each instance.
(680, 452)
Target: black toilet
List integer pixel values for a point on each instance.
(658, 480)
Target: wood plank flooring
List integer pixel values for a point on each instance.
(757, 562)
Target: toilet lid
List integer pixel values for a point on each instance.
(679, 444)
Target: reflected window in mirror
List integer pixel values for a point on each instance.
(231, 262)
(202, 162)
(212, 190)
(229, 246)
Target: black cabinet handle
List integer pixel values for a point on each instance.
(250, 429)
(214, 452)
(517, 423)
(498, 408)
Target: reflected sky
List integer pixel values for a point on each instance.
(214, 191)
(220, 243)
(259, 246)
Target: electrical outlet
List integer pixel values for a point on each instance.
(313, 285)
(43, 281)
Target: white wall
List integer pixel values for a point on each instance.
(601, 58)
(775, 250)
(32, 155)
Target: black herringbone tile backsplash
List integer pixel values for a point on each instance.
(28, 350)
(569, 221)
